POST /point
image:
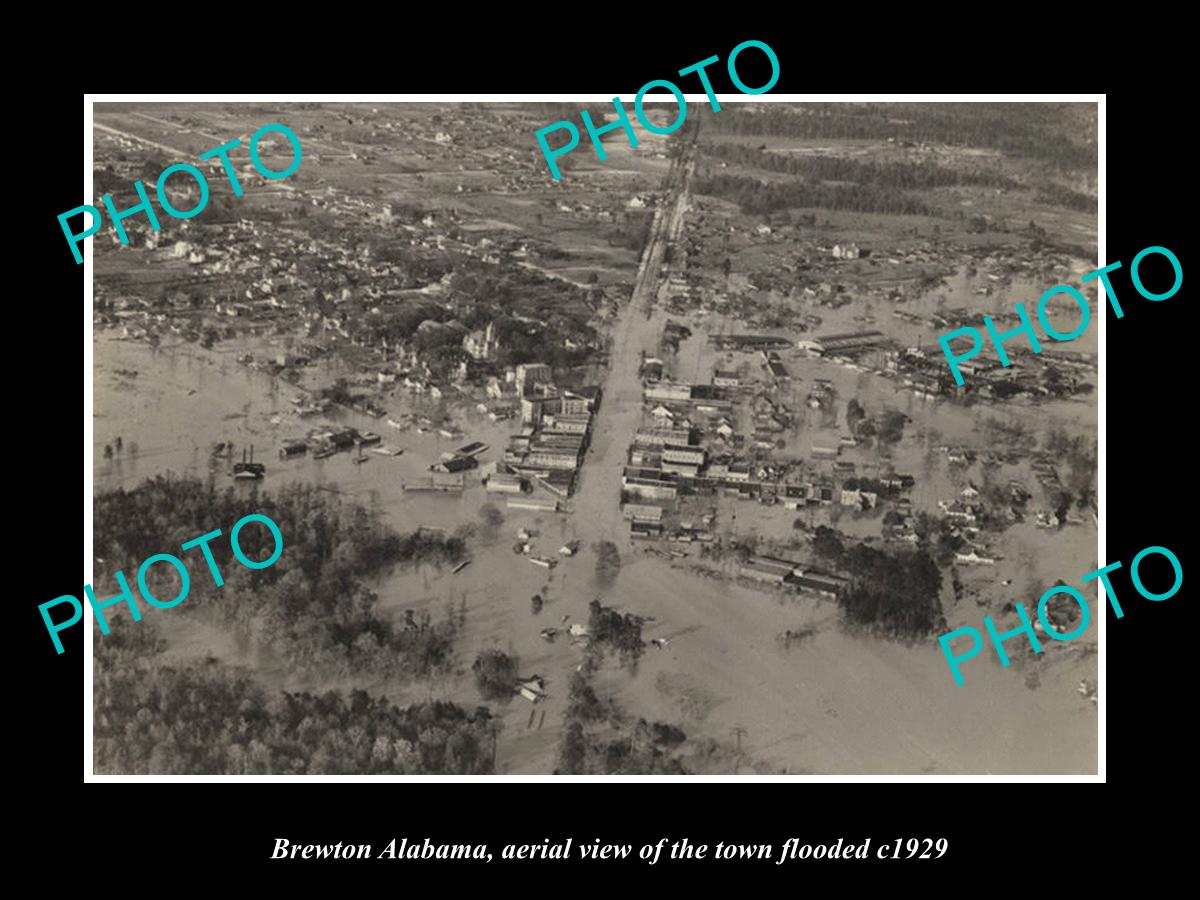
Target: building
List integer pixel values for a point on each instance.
(503, 483)
(726, 378)
(748, 341)
(849, 342)
(532, 410)
(568, 423)
(482, 344)
(767, 569)
(661, 436)
(580, 401)
(859, 499)
(678, 453)
(533, 503)
(455, 464)
(667, 390)
(819, 583)
(649, 484)
(531, 375)
(551, 458)
(642, 512)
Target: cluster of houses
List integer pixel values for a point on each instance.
(327, 440)
(689, 443)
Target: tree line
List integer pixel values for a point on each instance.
(151, 718)
(313, 608)
(901, 175)
(1048, 132)
(759, 198)
(600, 740)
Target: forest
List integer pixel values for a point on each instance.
(921, 175)
(893, 594)
(1061, 135)
(208, 719)
(600, 740)
(896, 595)
(312, 609)
(535, 315)
(615, 631)
(758, 198)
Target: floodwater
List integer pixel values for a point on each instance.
(834, 704)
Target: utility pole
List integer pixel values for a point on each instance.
(738, 731)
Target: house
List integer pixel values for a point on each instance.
(859, 499)
(958, 511)
(482, 344)
(726, 378)
(532, 689)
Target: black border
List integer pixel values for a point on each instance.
(1014, 831)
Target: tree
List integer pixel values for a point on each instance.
(854, 413)
(622, 633)
(535, 604)
(891, 429)
(495, 674)
(1062, 506)
(491, 516)
(573, 751)
(827, 543)
(608, 562)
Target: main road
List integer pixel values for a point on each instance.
(596, 503)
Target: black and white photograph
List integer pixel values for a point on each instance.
(647, 444)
